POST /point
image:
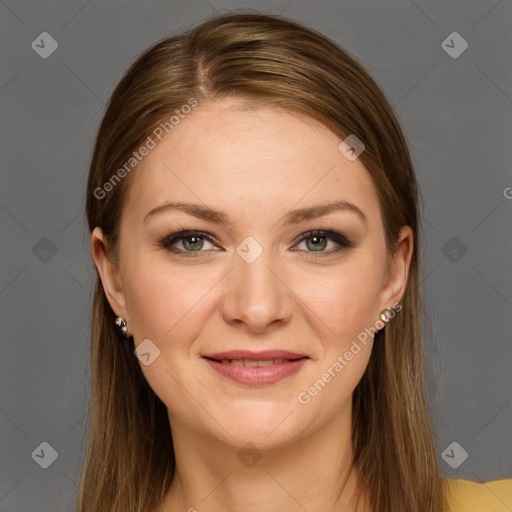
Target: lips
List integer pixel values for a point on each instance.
(246, 355)
(256, 368)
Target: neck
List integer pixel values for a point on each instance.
(313, 473)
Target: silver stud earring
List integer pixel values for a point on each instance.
(386, 316)
(121, 327)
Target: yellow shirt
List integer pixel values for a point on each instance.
(468, 496)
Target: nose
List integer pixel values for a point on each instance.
(256, 294)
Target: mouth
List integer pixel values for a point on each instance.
(248, 362)
(256, 368)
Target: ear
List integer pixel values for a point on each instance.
(398, 269)
(109, 274)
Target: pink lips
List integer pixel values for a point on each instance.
(263, 368)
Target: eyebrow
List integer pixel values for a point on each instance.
(293, 217)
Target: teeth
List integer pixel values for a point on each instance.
(247, 363)
(261, 363)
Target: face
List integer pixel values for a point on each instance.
(258, 277)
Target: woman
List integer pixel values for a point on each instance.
(256, 337)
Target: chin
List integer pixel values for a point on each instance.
(265, 427)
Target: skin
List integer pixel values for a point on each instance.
(255, 164)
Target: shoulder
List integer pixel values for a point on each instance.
(468, 496)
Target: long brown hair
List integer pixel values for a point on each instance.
(129, 461)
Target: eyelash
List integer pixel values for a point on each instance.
(343, 242)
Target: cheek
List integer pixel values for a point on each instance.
(345, 308)
(345, 300)
(165, 303)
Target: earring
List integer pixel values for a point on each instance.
(386, 316)
(121, 327)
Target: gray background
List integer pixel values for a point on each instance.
(455, 112)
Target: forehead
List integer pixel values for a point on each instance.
(248, 159)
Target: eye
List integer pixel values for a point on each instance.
(319, 241)
(190, 241)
